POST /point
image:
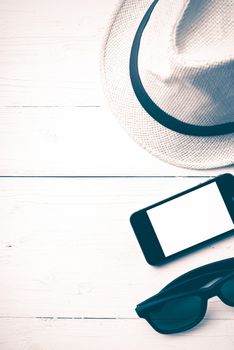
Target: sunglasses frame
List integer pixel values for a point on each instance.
(191, 284)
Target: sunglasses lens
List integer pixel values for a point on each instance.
(227, 291)
(177, 315)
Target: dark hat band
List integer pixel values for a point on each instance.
(152, 109)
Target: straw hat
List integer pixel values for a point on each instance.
(168, 73)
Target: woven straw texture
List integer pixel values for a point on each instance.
(172, 147)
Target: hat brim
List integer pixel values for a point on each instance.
(175, 148)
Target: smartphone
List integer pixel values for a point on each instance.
(186, 221)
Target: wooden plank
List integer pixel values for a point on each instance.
(40, 334)
(50, 52)
(67, 248)
(49, 56)
(49, 72)
(75, 141)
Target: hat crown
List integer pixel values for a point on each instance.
(139, 38)
(203, 27)
(186, 60)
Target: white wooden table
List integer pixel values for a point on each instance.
(71, 269)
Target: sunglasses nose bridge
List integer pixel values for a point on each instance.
(210, 293)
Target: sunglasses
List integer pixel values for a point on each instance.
(182, 304)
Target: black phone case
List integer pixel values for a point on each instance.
(147, 237)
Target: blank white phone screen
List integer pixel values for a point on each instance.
(190, 219)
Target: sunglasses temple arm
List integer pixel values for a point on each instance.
(139, 311)
(213, 270)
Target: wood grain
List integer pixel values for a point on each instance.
(71, 269)
(75, 141)
(68, 250)
(59, 334)
(51, 122)
(50, 52)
